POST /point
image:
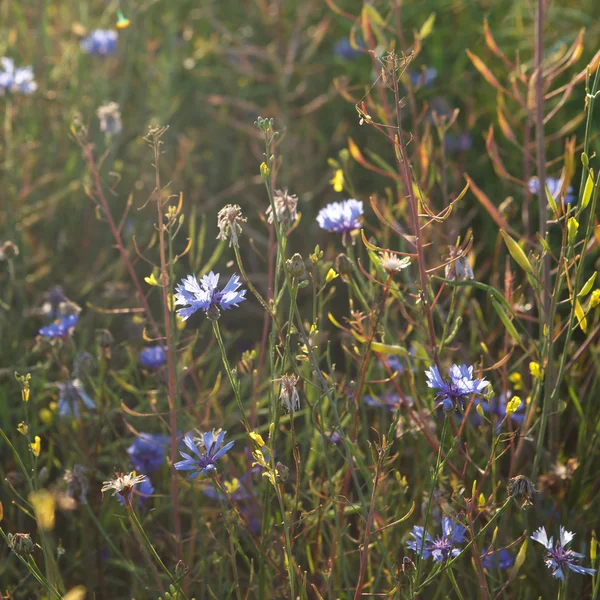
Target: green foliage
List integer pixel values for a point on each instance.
(341, 446)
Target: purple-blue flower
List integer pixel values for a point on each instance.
(501, 559)
(147, 453)
(390, 401)
(100, 42)
(203, 462)
(201, 295)
(153, 357)
(443, 547)
(423, 78)
(457, 143)
(341, 217)
(142, 492)
(71, 394)
(558, 557)
(554, 188)
(60, 328)
(16, 80)
(460, 385)
(394, 363)
(344, 49)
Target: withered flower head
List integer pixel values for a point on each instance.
(521, 487)
(229, 220)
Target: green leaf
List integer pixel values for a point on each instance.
(427, 27)
(508, 324)
(517, 252)
(551, 201)
(587, 190)
(587, 286)
(519, 560)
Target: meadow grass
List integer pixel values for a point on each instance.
(299, 300)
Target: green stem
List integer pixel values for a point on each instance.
(150, 547)
(230, 375)
(434, 480)
(33, 569)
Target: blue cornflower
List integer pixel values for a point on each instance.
(344, 49)
(19, 80)
(153, 357)
(144, 490)
(201, 295)
(423, 78)
(204, 462)
(60, 328)
(500, 559)
(394, 363)
(147, 453)
(558, 557)
(460, 385)
(100, 42)
(554, 188)
(442, 547)
(457, 143)
(390, 402)
(498, 408)
(341, 217)
(71, 393)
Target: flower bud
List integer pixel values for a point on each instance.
(281, 472)
(265, 172)
(21, 543)
(343, 264)
(296, 266)
(572, 227)
(180, 569)
(213, 312)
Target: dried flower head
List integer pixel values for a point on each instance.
(556, 481)
(521, 487)
(459, 267)
(123, 485)
(21, 543)
(229, 221)
(110, 118)
(289, 394)
(77, 483)
(392, 263)
(8, 250)
(285, 207)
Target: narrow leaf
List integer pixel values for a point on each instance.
(587, 190)
(517, 252)
(427, 27)
(587, 286)
(483, 69)
(508, 324)
(580, 314)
